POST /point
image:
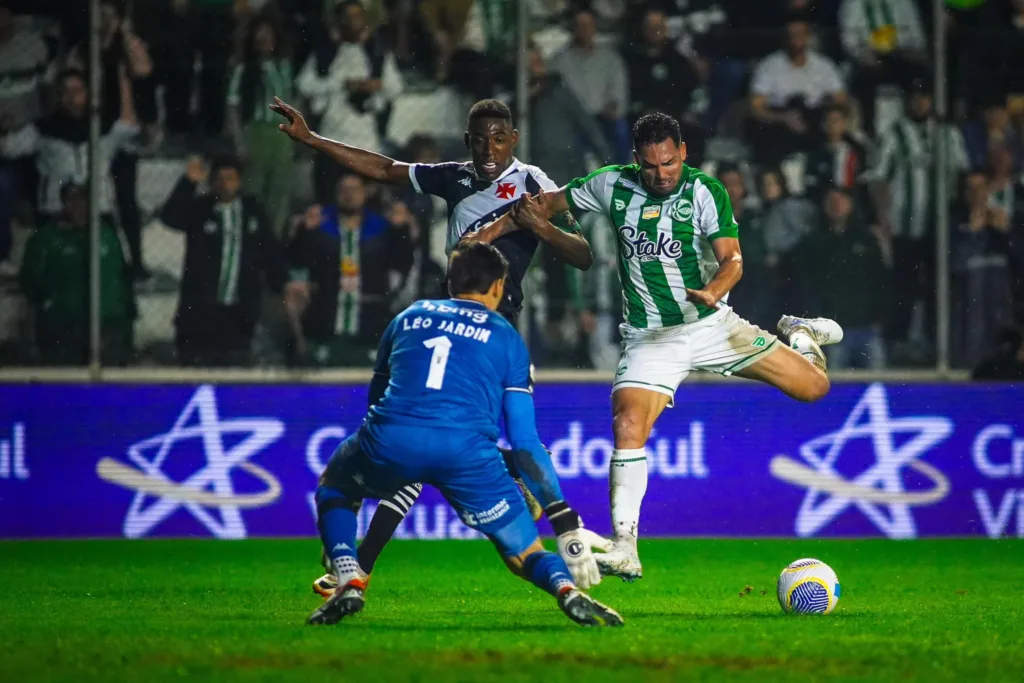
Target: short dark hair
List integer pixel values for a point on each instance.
(490, 109)
(650, 129)
(225, 161)
(728, 167)
(65, 74)
(474, 268)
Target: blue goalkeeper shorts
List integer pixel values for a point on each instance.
(466, 467)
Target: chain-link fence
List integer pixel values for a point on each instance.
(225, 243)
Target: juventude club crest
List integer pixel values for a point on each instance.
(681, 211)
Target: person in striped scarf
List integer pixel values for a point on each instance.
(230, 253)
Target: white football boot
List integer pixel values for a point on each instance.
(823, 331)
(622, 560)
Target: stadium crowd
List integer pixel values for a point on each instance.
(817, 115)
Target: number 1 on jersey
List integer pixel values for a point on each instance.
(438, 361)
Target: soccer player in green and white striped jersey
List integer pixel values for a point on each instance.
(678, 258)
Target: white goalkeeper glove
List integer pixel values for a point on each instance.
(572, 545)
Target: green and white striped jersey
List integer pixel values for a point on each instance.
(664, 243)
(905, 158)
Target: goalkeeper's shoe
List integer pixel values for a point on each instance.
(347, 600)
(325, 585)
(586, 611)
(823, 331)
(622, 561)
(536, 511)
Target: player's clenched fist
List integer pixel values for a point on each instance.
(295, 127)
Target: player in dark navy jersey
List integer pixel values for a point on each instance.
(479, 193)
(482, 196)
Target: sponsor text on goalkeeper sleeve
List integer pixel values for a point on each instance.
(520, 424)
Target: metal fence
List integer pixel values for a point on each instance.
(944, 329)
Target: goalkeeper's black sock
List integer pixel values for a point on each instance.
(386, 519)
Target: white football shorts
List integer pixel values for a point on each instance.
(659, 359)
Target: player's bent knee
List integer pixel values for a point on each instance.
(815, 388)
(630, 428)
(328, 498)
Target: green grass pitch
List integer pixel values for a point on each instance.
(943, 610)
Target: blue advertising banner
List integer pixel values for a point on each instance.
(729, 460)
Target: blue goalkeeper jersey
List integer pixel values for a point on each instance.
(449, 363)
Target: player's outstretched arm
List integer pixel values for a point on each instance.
(538, 472)
(533, 214)
(364, 162)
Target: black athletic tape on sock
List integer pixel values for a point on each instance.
(562, 518)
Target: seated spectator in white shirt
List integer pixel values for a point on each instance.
(597, 76)
(789, 89)
(351, 83)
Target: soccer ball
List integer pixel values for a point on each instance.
(808, 586)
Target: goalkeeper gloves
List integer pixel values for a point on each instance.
(571, 546)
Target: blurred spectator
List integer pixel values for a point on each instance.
(178, 31)
(1006, 193)
(788, 91)
(843, 275)
(787, 220)
(265, 73)
(24, 66)
(887, 43)
(596, 295)
(839, 160)
(561, 130)
(55, 278)
(1007, 363)
(60, 144)
(699, 30)
(230, 253)
(350, 82)
(1001, 39)
(24, 72)
(425, 275)
(212, 27)
(353, 260)
(994, 128)
(166, 29)
(664, 80)
(902, 183)
(980, 264)
(126, 68)
(459, 31)
(597, 76)
(756, 295)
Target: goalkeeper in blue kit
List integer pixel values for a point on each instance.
(446, 371)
